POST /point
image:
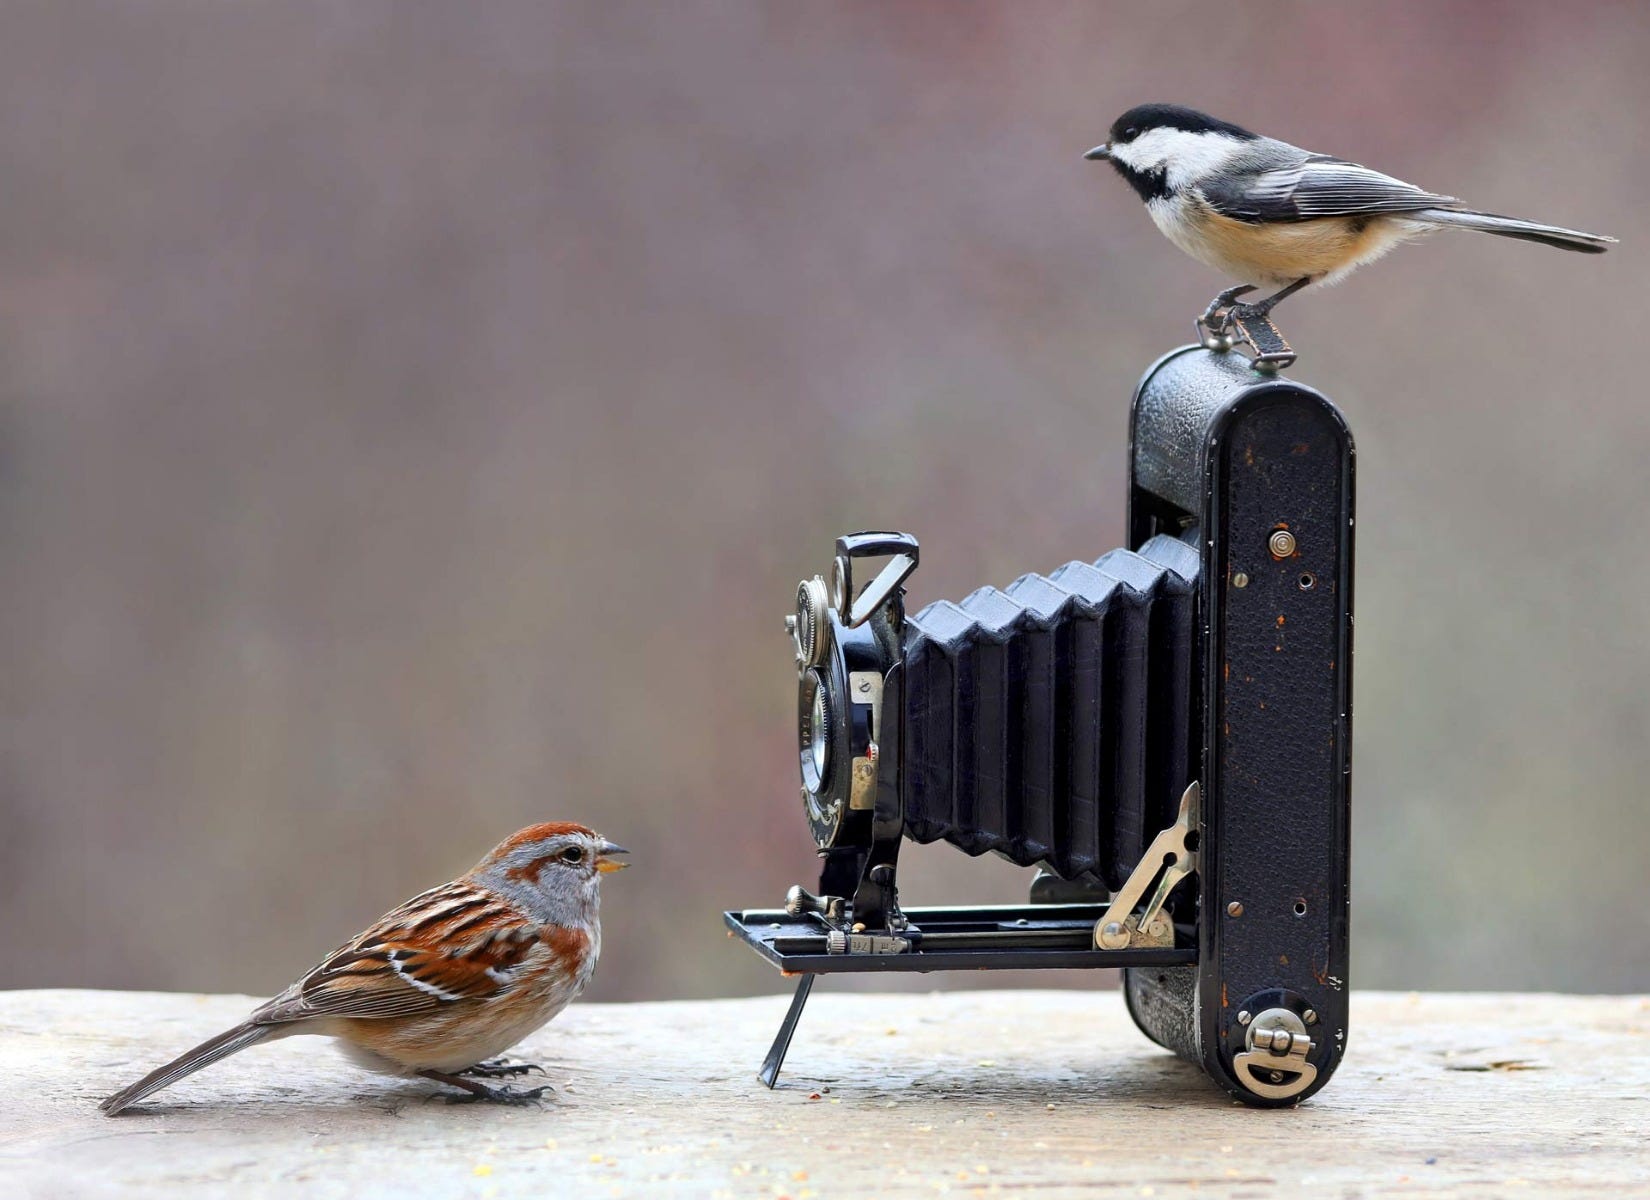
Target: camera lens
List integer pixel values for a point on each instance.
(815, 731)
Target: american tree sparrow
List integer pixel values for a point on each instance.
(451, 978)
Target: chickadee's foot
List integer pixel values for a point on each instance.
(1259, 309)
(473, 1092)
(1249, 312)
(497, 1068)
(1216, 317)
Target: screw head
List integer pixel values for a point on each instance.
(1113, 936)
(1281, 543)
(1240, 580)
(1244, 1018)
(1277, 1076)
(1234, 909)
(1310, 1016)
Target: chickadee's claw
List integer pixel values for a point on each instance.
(1214, 317)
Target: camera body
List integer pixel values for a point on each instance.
(1177, 710)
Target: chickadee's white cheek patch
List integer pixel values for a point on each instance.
(1189, 157)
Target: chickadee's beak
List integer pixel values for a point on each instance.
(605, 864)
(1098, 153)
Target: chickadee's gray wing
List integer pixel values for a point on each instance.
(1312, 186)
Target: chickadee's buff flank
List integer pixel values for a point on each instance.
(1266, 212)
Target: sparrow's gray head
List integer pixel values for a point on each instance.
(552, 869)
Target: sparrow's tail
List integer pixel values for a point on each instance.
(1529, 231)
(204, 1055)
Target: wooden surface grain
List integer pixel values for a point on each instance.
(966, 1094)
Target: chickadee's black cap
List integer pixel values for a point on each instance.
(1143, 117)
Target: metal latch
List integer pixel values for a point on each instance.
(1219, 330)
(1170, 852)
(1274, 1065)
(839, 941)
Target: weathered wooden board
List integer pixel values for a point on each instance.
(975, 1093)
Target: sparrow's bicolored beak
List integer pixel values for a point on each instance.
(1098, 153)
(604, 863)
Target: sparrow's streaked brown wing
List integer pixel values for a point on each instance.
(452, 943)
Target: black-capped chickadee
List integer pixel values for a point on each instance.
(1266, 212)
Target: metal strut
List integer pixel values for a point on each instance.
(1171, 852)
(769, 1074)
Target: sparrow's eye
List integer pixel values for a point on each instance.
(573, 856)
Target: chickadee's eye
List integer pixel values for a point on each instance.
(1132, 132)
(573, 856)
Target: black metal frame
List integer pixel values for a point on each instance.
(957, 938)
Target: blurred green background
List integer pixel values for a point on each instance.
(416, 417)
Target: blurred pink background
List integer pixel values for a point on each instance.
(416, 417)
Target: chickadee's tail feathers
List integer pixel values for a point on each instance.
(1529, 231)
(204, 1055)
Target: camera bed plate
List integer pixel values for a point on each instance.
(961, 938)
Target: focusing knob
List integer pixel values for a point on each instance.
(807, 627)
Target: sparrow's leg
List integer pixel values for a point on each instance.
(1224, 300)
(1249, 312)
(497, 1068)
(480, 1091)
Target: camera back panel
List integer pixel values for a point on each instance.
(1272, 498)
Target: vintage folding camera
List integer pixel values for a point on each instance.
(1176, 710)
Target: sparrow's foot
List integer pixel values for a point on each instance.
(473, 1092)
(526, 1099)
(497, 1068)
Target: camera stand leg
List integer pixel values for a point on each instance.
(769, 1074)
